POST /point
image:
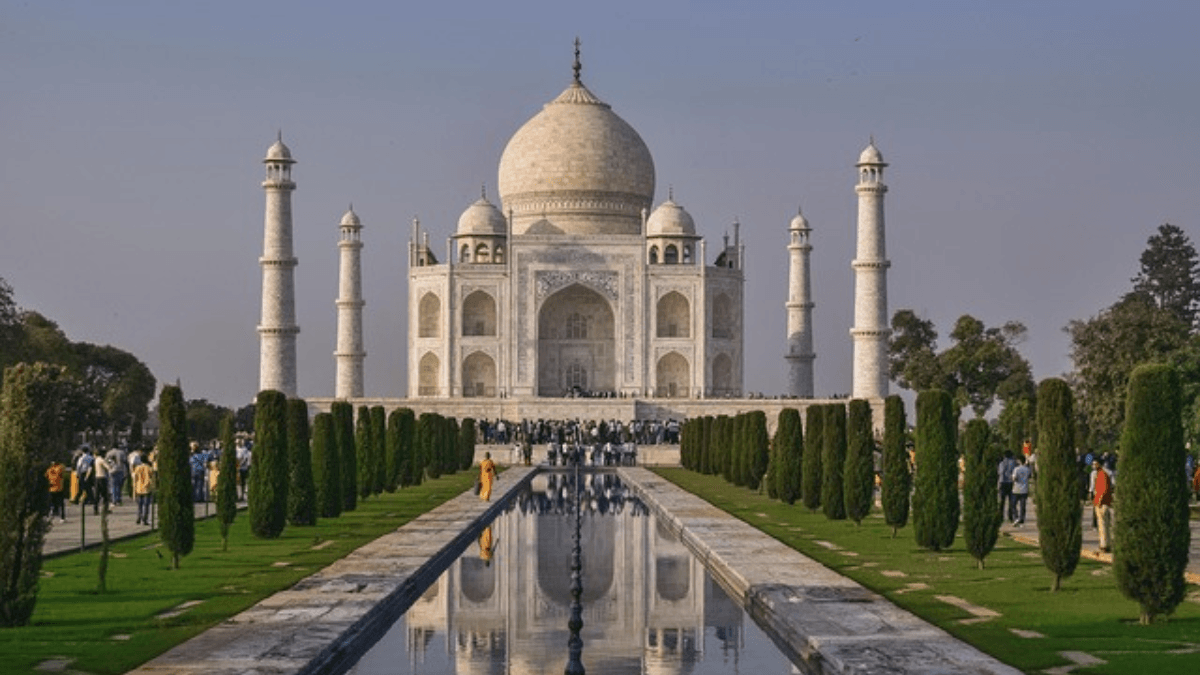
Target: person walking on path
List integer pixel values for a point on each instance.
(1005, 471)
(487, 475)
(100, 467)
(57, 477)
(1020, 490)
(143, 491)
(118, 461)
(1102, 500)
(86, 477)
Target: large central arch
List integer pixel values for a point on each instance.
(576, 343)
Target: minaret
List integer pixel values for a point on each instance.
(870, 331)
(799, 311)
(277, 330)
(350, 354)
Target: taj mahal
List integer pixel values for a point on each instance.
(573, 294)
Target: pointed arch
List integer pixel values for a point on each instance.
(479, 376)
(673, 376)
(479, 314)
(429, 316)
(722, 316)
(429, 374)
(674, 316)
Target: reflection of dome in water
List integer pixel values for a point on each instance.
(578, 165)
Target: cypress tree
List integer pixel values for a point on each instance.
(981, 503)
(424, 441)
(267, 496)
(1059, 511)
(343, 433)
(405, 458)
(466, 443)
(790, 439)
(897, 475)
(737, 466)
(301, 490)
(706, 442)
(326, 467)
(452, 456)
(227, 475)
(29, 405)
(379, 451)
(176, 515)
(392, 451)
(365, 447)
(858, 480)
(833, 461)
(726, 462)
(1151, 535)
(935, 502)
(814, 446)
(774, 466)
(757, 447)
(432, 449)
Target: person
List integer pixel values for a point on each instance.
(527, 452)
(487, 475)
(116, 460)
(56, 476)
(1005, 471)
(143, 490)
(84, 471)
(199, 464)
(100, 493)
(243, 463)
(1020, 490)
(487, 546)
(1102, 495)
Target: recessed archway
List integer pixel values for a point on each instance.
(429, 316)
(479, 376)
(673, 379)
(674, 316)
(479, 315)
(430, 371)
(576, 342)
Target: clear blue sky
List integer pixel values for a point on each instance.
(1034, 147)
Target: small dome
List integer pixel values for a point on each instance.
(351, 219)
(870, 155)
(670, 219)
(482, 218)
(799, 222)
(278, 152)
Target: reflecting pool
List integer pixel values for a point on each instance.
(648, 606)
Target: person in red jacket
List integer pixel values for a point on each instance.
(1102, 499)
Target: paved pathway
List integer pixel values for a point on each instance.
(70, 536)
(1028, 533)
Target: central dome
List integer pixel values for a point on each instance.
(576, 168)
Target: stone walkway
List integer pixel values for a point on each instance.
(70, 537)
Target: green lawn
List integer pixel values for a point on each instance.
(1087, 615)
(121, 629)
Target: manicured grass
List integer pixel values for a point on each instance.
(121, 629)
(1087, 615)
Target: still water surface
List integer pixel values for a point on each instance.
(648, 605)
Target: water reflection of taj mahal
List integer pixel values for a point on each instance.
(647, 601)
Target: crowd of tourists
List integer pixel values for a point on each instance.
(589, 432)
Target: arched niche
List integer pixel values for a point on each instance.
(672, 376)
(479, 376)
(479, 314)
(429, 316)
(674, 316)
(576, 342)
(429, 373)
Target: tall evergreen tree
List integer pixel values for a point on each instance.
(790, 443)
(301, 490)
(425, 441)
(1170, 273)
(935, 502)
(727, 453)
(326, 467)
(406, 459)
(1059, 512)
(833, 462)
(379, 449)
(858, 479)
(267, 497)
(466, 443)
(176, 515)
(707, 424)
(896, 488)
(227, 476)
(343, 433)
(1151, 535)
(814, 446)
(757, 448)
(30, 403)
(981, 504)
(364, 445)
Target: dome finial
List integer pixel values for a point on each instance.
(578, 66)
(670, 193)
(483, 191)
(279, 135)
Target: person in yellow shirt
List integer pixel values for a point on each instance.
(487, 476)
(143, 490)
(56, 475)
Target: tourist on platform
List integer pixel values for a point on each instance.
(1020, 490)
(243, 463)
(100, 467)
(56, 475)
(199, 464)
(1102, 495)
(143, 490)
(487, 475)
(117, 460)
(86, 476)
(1005, 471)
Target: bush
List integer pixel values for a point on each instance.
(176, 514)
(227, 475)
(301, 491)
(896, 488)
(858, 478)
(1059, 512)
(343, 434)
(267, 493)
(326, 467)
(814, 447)
(935, 501)
(29, 402)
(981, 500)
(1151, 535)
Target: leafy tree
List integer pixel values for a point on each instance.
(833, 461)
(365, 447)
(789, 451)
(935, 502)
(29, 404)
(1059, 512)
(466, 443)
(1151, 535)
(176, 515)
(814, 446)
(11, 328)
(227, 475)
(757, 450)
(326, 467)
(343, 433)
(301, 490)
(858, 478)
(981, 504)
(379, 451)
(897, 475)
(1170, 274)
(267, 493)
(912, 353)
(243, 418)
(1106, 348)
(204, 419)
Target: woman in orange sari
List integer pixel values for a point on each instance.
(487, 476)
